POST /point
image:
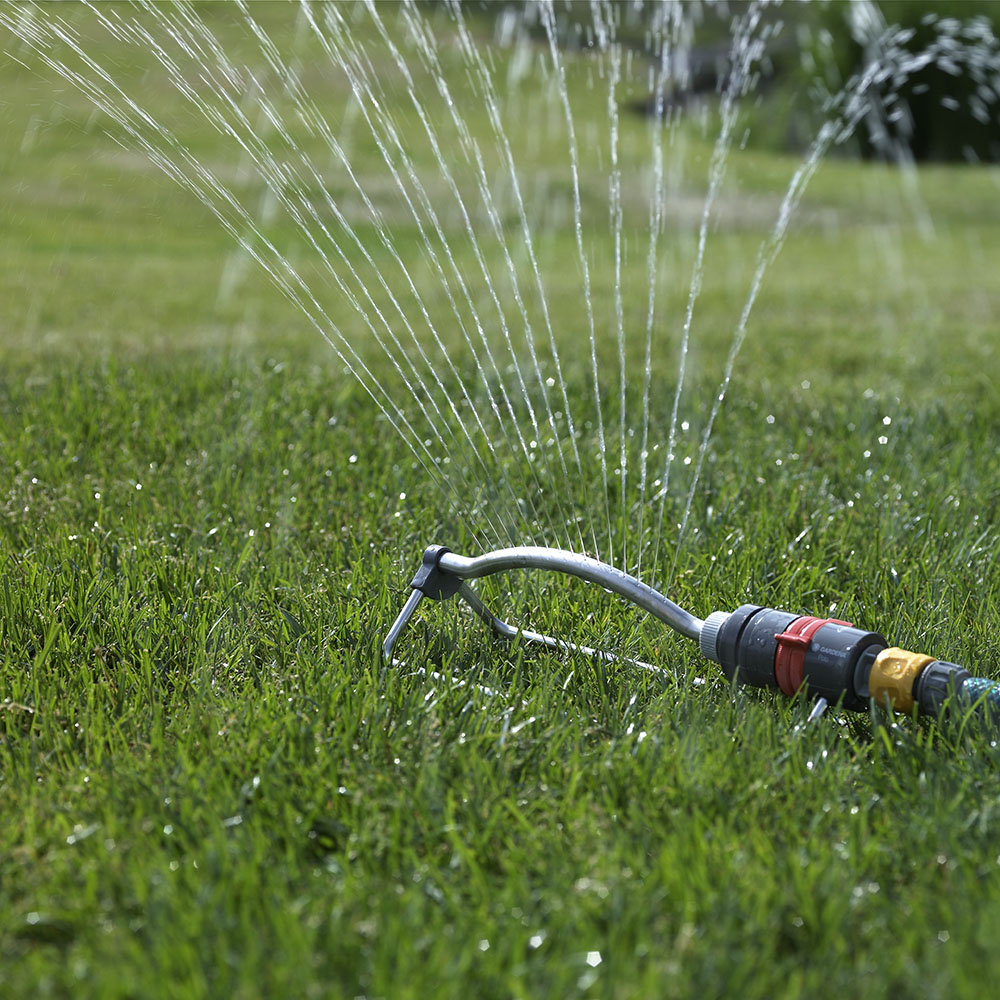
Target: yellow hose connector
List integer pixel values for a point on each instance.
(893, 675)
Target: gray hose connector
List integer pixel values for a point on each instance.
(710, 633)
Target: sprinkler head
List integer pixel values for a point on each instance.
(827, 659)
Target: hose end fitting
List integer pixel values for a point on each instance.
(893, 677)
(940, 681)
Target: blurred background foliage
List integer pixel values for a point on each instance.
(947, 111)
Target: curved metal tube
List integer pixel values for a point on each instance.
(592, 570)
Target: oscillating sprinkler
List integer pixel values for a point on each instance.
(831, 660)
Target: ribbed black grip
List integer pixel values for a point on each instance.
(940, 681)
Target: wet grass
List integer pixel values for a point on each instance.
(210, 784)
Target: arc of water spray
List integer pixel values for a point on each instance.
(489, 204)
(548, 21)
(169, 155)
(288, 179)
(381, 113)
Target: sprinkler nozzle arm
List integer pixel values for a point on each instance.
(834, 660)
(443, 574)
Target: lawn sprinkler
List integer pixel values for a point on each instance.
(830, 660)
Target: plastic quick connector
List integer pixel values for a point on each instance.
(894, 676)
(906, 679)
(765, 647)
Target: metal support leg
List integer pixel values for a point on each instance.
(508, 631)
(416, 596)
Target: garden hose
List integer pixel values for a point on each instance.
(827, 659)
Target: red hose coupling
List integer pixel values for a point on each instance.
(791, 652)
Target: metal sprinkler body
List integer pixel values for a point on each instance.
(827, 659)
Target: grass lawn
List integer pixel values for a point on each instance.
(211, 786)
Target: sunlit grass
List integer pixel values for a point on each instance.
(210, 784)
